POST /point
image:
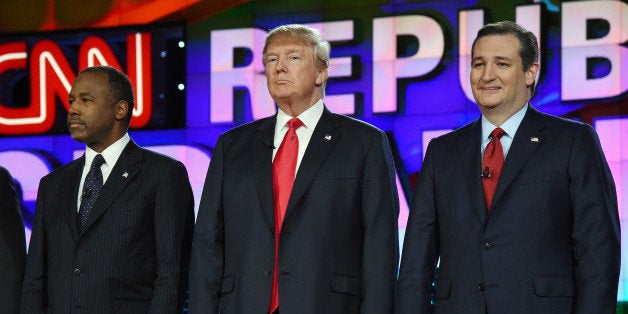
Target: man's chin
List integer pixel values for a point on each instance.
(78, 137)
(489, 106)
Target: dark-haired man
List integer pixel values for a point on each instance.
(112, 229)
(519, 206)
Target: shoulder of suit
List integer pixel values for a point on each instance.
(353, 123)
(552, 120)
(59, 172)
(456, 133)
(246, 128)
(153, 156)
(4, 171)
(562, 127)
(5, 178)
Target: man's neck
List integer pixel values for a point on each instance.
(497, 117)
(295, 108)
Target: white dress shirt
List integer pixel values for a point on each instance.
(110, 154)
(309, 118)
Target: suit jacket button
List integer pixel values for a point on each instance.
(488, 246)
(268, 272)
(77, 271)
(481, 287)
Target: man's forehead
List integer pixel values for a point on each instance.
(502, 38)
(287, 42)
(92, 84)
(502, 46)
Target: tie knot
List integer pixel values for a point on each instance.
(294, 123)
(98, 161)
(498, 133)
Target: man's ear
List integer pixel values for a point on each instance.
(321, 77)
(531, 73)
(122, 109)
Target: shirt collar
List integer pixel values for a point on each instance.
(510, 126)
(309, 117)
(111, 153)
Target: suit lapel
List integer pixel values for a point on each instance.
(325, 135)
(522, 148)
(127, 166)
(69, 196)
(469, 147)
(261, 162)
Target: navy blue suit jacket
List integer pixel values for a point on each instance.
(12, 245)
(132, 257)
(338, 248)
(550, 243)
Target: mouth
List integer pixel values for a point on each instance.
(489, 88)
(72, 124)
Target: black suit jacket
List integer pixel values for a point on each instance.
(132, 255)
(12, 245)
(550, 243)
(338, 251)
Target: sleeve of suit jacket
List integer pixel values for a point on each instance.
(206, 266)
(173, 220)
(33, 288)
(380, 210)
(13, 247)
(596, 232)
(420, 248)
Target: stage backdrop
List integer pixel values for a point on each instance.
(400, 65)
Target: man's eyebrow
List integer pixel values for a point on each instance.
(499, 58)
(503, 58)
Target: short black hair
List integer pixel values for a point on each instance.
(120, 87)
(528, 44)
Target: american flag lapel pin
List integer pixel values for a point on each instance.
(328, 137)
(125, 174)
(534, 139)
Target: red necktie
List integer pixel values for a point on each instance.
(284, 168)
(492, 165)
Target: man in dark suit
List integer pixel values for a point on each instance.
(547, 239)
(12, 245)
(324, 241)
(121, 247)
